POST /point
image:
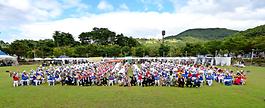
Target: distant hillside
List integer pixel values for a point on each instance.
(208, 33)
(253, 32)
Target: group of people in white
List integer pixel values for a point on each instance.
(148, 73)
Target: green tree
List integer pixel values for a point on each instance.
(20, 48)
(163, 50)
(63, 39)
(102, 36)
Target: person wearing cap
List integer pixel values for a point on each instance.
(15, 79)
(24, 78)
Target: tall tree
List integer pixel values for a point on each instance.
(63, 39)
(20, 48)
(102, 36)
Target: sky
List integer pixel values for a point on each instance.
(38, 19)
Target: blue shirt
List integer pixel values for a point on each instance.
(201, 78)
(51, 77)
(24, 77)
(209, 77)
(111, 78)
(228, 77)
(157, 77)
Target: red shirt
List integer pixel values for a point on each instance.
(79, 77)
(140, 77)
(190, 75)
(197, 75)
(148, 74)
(15, 78)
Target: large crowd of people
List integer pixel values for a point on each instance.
(147, 73)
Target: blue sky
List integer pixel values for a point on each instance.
(38, 19)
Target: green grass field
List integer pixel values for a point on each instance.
(251, 95)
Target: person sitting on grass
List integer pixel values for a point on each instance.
(140, 79)
(197, 82)
(243, 77)
(79, 79)
(38, 78)
(57, 77)
(238, 79)
(228, 80)
(34, 79)
(126, 81)
(209, 79)
(201, 79)
(24, 79)
(189, 82)
(105, 81)
(51, 80)
(181, 81)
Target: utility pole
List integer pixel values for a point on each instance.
(163, 35)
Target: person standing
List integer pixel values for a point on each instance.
(15, 79)
(157, 79)
(111, 80)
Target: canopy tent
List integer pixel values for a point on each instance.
(223, 61)
(2, 53)
(38, 59)
(7, 60)
(5, 56)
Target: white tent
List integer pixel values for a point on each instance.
(7, 57)
(37, 59)
(8, 60)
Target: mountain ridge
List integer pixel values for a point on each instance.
(204, 33)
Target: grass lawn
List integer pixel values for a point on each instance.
(251, 95)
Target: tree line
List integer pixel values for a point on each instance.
(105, 43)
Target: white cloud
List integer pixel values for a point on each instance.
(157, 3)
(137, 24)
(35, 10)
(104, 5)
(21, 4)
(236, 14)
(31, 10)
(123, 7)
(14, 13)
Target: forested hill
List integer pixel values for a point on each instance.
(207, 33)
(253, 32)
